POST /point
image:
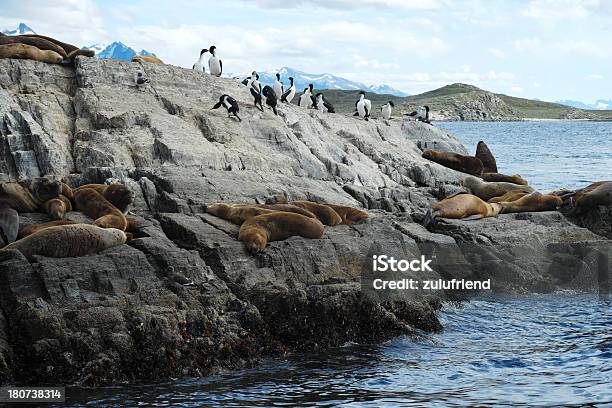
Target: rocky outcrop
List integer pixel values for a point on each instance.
(120, 316)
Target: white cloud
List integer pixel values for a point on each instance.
(497, 53)
(594, 77)
(552, 10)
(352, 4)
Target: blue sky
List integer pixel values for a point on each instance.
(547, 49)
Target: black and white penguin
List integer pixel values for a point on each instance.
(323, 105)
(306, 99)
(255, 89)
(313, 98)
(214, 63)
(230, 104)
(199, 65)
(363, 106)
(421, 114)
(271, 99)
(387, 109)
(141, 80)
(289, 93)
(278, 86)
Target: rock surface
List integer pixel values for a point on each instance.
(121, 316)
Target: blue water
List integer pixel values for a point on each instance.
(549, 154)
(540, 350)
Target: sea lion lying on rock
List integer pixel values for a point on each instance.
(288, 208)
(455, 161)
(487, 190)
(257, 231)
(58, 207)
(34, 228)
(119, 195)
(72, 51)
(508, 197)
(236, 214)
(486, 157)
(349, 215)
(95, 206)
(147, 58)
(532, 203)
(515, 178)
(29, 196)
(40, 43)
(583, 200)
(24, 51)
(66, 241)
(323, 212)
(9, 225)
(461, 206)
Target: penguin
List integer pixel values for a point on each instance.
(141, 80)
(387, 109)
(230, 104)
(271, 99)
(255, 88)
(278, 86)
(306, 99)
(214, 63)
(421, 114)
(363, 106)
(313, 98)
(289, 93)
(199, 65)
(322, 105)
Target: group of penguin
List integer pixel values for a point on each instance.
(269, 94)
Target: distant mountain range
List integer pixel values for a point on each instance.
(600, 104)
(20, 30)
(116, 50)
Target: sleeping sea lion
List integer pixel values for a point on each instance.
(460, 206)
(256, 232)
(95, 206)
(67, 47)
(349, 215)
(515, 178)
(455, 161)
(288, 208)
(236, 214)
(33, 228)
(323, 212)
(147, 58)
(583, 200)
(531, 203)
(9, 225)
(30, 195)
(64, 241)
(119, 195)
(487, 190)
(58, 207)
(486, 157)
(40, 43)
(83, 52)
(508, 197)
(24, 51)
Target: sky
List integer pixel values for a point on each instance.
(545, 49)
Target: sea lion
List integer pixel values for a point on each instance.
(236, 214)
(83, 52)
(9, 225)
(95, 206)
(67, 191)
(288, 208)
(349, 215)
(33, 228)
(64, 241)
(508, 197)
(29, 196)
(486, 157)
(58, 207)
(119, 195)
(532, 202)
(67, 47)
(40, 43)
(147, 58)
(256, 232)
(460, 206)
(24, 51)
(487, 190)
(515, 178)
(323, 212)
(465, 164)
(599, 193)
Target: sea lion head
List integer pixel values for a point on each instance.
(120, 195)
(429, 154)
(116, 234)
(470, 182)
(45, 189)
(255, 241)
(220, 210)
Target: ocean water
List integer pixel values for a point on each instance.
(549, 154)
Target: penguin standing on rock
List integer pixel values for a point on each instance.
(313, 99)
(271, 99)
(322, 105)
(306, 99)
(255, 89)
(199, 65)
(230, 104)
(214, 63)
(386, 110)
(278, 86)
(363, 106)
(141, 80)
(289, 93)
(421, 114)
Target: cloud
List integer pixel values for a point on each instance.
(552, 10)
(351, 4)
(497, 53)
(594, 77)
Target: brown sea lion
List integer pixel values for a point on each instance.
(37, 42)
(323, 212)
(236, 214)
(23, 51)
(532, 203)
(455, 161)
(349, 215)
(64, 241)
(147, 58)
(487, 190)
(288, 208)
(9, 225)
(95, 206)
(67, 47)
(119, 195)
(256, 232)
(67, 191)
(515, 178)
(58, 207)
(461, 206)
(83, 52)
(486, 157)
(33, 228)
(583, 200)
(29, 196)
(508, 197)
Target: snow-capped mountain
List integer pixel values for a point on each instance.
(320, 81)
(20, 30)
(116, 50)
(600, 104)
